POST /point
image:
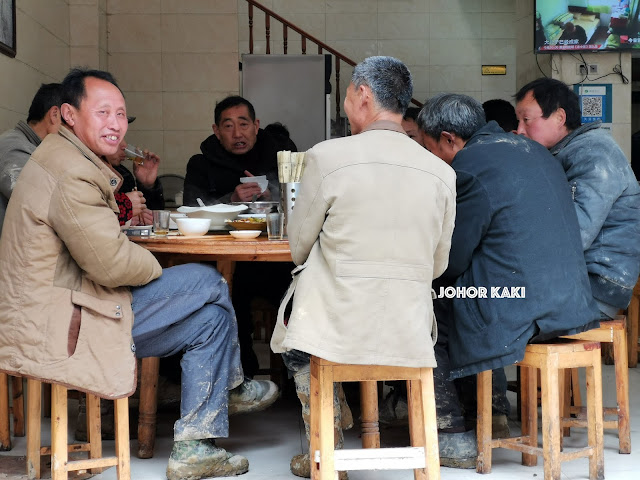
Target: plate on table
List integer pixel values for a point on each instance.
(245, 234)
(249, 222)
(217, 213)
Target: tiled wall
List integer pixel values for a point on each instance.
(42, 29)
(175, 58)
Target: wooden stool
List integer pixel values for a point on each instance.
(422, 457)
(613, 331)
(550, 359)
(60, 465)
(7, 407)
(633, 324)
(148, 406)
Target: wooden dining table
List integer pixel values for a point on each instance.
(219, 247)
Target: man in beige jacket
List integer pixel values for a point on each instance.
(371, 229)
(75, 293)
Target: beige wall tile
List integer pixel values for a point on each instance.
(524, 38)
(498, 52)
(394, 6)
(84, 25)
(199, 72)
(351, 26)
(137, 72)
(243, 6)
(102, 30)
(508, 6)
(286, 7)
(180, 146)
(199, 33)
(134, 33)
(453, 25)
(9, 118)
(421, 87)
(53, 15)
(456, 6)
(115, 7)
(350, 6)
(461, 79)
(199, 6)
(411, 52)
(102, 5)
(104, 59)
(147, 108)
(621, 106)
(84, 57)
(40, 49)
(83, 2)
(356, 50)
(524, 8)
(402, 26)
(14, 74)
(450, 51)
(506, 83)
(498, 25)
(189, 110)
(621, 133)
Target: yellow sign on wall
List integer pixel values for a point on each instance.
(494, 69)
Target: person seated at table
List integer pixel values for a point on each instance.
(17, 144)
(517, 237)
(282, 136)
(604, 190)
(410, 126)
(363, 282)
(84, 303)
(239, 148)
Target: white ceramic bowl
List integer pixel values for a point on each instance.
(193, 226)
(245, 234)
(216, 213)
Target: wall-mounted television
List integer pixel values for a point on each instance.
(586, 26)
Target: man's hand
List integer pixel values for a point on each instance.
(147, 173)
(137, 202)
(246, 191)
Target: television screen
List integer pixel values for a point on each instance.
(586, 25)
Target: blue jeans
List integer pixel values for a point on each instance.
(188, 310)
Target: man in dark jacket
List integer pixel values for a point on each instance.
(239, 148)
(604, 190)
(516, 264)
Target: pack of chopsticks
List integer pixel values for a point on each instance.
(290, 166)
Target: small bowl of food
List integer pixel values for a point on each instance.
(193, 227)
(245, 234)
(249, 222)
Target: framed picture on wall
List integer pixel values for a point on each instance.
(8, 27)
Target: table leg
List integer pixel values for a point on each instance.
(226, 268)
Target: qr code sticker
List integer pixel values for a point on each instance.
(591, 106)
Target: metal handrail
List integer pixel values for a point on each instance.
(304, 37)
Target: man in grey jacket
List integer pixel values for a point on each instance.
(604, 189)
(17, 144)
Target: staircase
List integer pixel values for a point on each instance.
(339, 125)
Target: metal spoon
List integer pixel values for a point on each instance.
(200, 202)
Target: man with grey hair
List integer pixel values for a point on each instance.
(362, 288)
(516, 244)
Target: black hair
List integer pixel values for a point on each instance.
(280, 134)
(48, 95)
(502, 112)
(552, 94)
(411, 114)
(232, 101)
(73, 88)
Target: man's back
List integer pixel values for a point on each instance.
(516, 228)
(373, 228)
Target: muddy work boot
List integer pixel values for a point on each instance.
(196, 459)
(393, 410)
(301, 466)
(107, 429)
(252, 396)
(458, 450)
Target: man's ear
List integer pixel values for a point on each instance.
(54, 115)
(215, 130)
(560, 115)
(68, 114)
(257, 123)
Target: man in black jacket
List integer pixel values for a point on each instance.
(240, 148)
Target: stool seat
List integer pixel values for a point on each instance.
(422, 456)
(550, 359)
